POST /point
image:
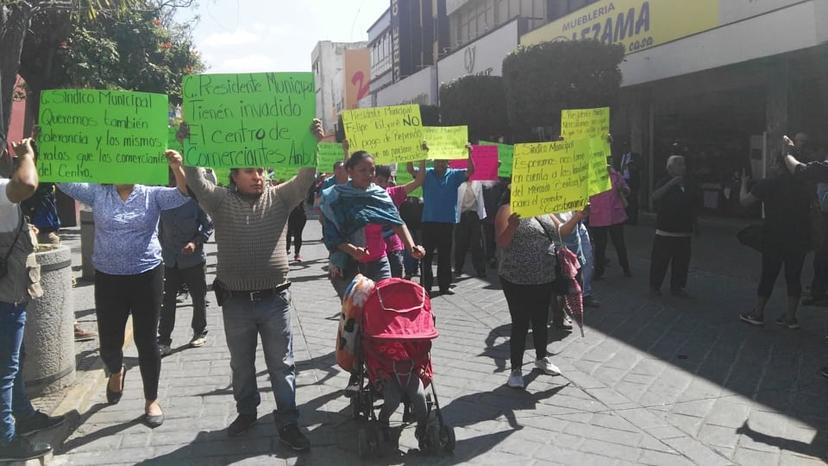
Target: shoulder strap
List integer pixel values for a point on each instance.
(17, 236)
(546, 230)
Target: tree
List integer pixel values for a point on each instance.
(544, 79)
(37, 31)
(476, 101)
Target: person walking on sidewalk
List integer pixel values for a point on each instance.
(252, 285)
(606, 218)
(471, 211)
(296, 227)
(439, 217)
(129, 277)
(526, 266)
(785, 240)
(183, 232)
(17, 416)
(677, 201)
(395, 248)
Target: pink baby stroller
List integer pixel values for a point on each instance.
(395, 349)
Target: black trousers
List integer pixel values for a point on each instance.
(196, 281)
(118, 296)
(296, 225)
(437, 236)
(528, 306)
(468, 235)
(773, 258)
(819, 285)
(599, 237)
(489, 244)
(675, 253)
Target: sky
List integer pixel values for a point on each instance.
(275, 35)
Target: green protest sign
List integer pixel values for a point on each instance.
(505, 154)
(329, 153)
(102, 137)
(250, 120)
(592, 124)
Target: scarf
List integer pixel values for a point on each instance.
(346, 210)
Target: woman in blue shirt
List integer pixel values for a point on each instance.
(129, 278)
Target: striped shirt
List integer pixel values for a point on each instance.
(250, 231)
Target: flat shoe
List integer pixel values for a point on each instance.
(750, 319)
(153, 421)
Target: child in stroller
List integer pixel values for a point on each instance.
(385, 335)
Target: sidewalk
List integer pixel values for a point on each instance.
(662, 381)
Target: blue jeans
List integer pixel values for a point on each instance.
(13, 400)
(377, 270)
(244, 321)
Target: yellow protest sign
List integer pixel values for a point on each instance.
(446, 142)
(549, 177)
(390, 134)
(593, 125)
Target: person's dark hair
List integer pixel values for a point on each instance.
(337, 164)
(383, 171)
(356, 158)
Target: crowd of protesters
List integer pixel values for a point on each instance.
(149, 248)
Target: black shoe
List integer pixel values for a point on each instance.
(113, 397)
(242, 424)
(825, 371)
(21, 449)
(153, 421)
(291, 436)
(447, 292)
(37, 422)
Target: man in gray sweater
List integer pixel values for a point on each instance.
(252, 286)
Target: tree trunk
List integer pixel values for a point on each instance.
(14, 22)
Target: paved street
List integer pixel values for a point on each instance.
(654, 381)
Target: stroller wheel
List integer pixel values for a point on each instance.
(447, 439)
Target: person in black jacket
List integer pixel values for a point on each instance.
(676, 200)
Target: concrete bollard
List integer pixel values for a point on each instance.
(49, 340)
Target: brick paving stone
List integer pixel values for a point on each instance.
(654, 381)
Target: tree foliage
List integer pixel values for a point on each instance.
(476, 101)
(544, 79)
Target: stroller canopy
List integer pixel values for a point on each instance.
(398, 309)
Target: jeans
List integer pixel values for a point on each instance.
(437, 236)
(13, 400)
(528, 306)
(579, 243)
(412, 265)
(396, 262)
(118, 296)
(675, 253)
(468, 235)
(377, 270)
(244, 322)
(194, 278)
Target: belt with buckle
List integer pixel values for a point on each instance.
(258, 295)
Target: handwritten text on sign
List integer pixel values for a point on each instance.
(390, 134)
(250, 120)
(102, 137)
(446, 142)
(591, 124)
(548, 178)
(329, 154)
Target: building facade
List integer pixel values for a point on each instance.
(329, 62)
(720, 81)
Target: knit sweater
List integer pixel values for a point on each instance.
(250, 231)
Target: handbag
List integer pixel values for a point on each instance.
(560, 284)
(4, 265)
(751, 236)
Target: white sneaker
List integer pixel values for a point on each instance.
(198, 341)
(545, 365)
(515, 379)
(165, 350)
